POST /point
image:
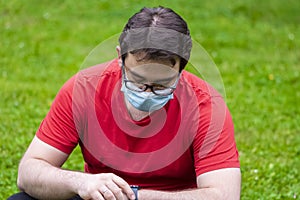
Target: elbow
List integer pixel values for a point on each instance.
(21, 179)
(223, 194)
(20, 182)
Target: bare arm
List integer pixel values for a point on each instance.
(215, 185)
(40, 175)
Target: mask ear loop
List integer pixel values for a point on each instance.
(177, 80)
(123, 73)
(124, 77)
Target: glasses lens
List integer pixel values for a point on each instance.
(135, 86)
(163, 92)
(156, 89)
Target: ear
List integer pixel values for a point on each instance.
(118, 48)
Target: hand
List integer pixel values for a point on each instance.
(106, 186)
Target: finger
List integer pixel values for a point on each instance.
(107, 194)
(124, 186)
(117, 192)
(97, 196)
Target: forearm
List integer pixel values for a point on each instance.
(44, 181)
(194, 194)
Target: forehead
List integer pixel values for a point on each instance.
(151, 70)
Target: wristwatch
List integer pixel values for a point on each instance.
(135, 189)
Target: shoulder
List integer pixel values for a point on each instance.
(86, 81)
(90, 77)
(100, 70)
(199, 87)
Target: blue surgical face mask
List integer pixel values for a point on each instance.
(145, 101)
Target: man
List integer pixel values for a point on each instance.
(147, 129)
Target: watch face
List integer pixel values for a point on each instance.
(134, 187)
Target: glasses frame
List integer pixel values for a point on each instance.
(148, 86)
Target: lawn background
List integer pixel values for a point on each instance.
(255, 45)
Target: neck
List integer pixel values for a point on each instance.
(134, 113)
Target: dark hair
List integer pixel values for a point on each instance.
(156, 27)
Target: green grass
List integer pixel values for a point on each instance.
(255, 45)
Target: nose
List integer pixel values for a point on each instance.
(148, 90)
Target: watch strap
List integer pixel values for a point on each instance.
(135, 189)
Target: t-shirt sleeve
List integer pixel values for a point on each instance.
(58, 128)
(214, 145)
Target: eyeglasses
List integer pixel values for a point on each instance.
(155, 88)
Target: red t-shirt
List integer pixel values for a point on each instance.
(166, 150)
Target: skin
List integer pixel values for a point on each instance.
(40, 173)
